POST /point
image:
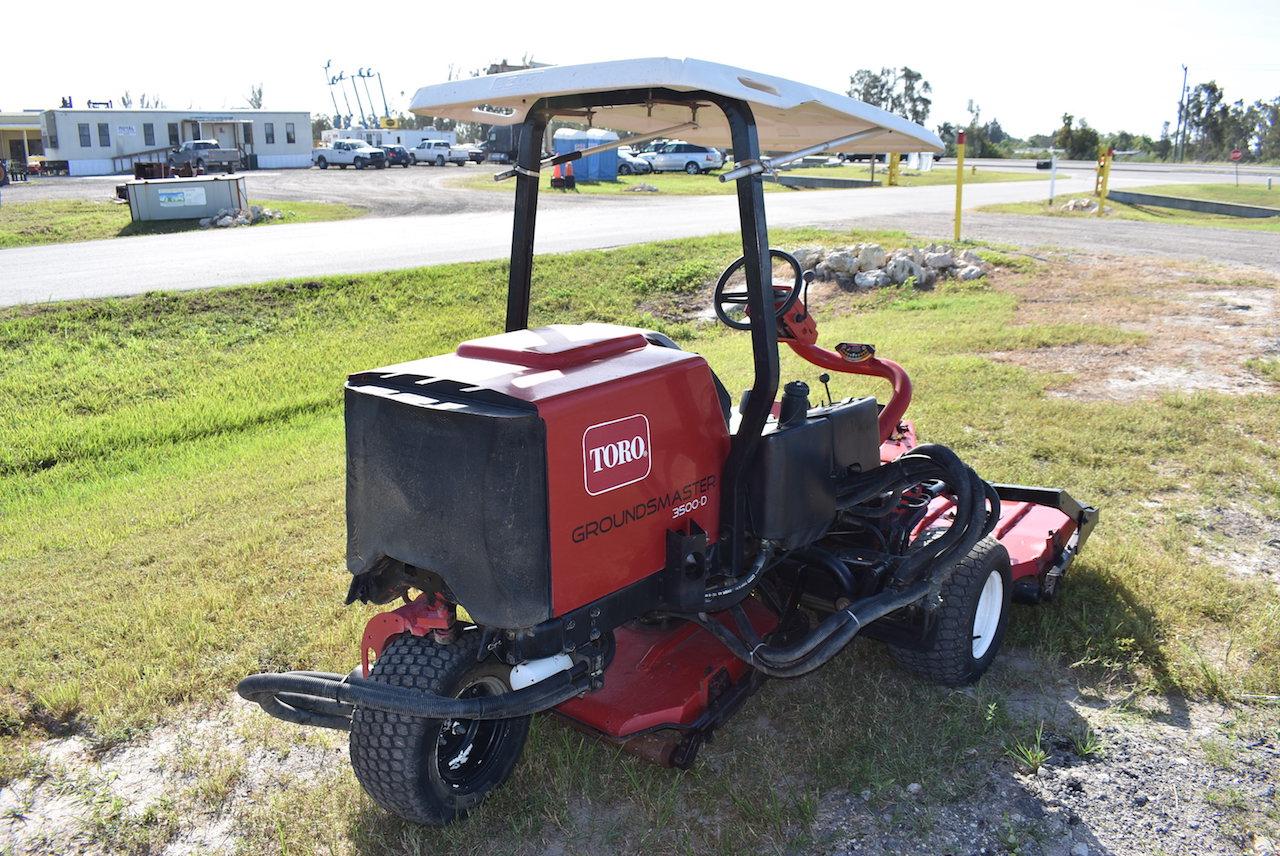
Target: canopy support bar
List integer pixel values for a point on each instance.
(755, 167)
(520, 277)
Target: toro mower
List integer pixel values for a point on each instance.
(578, 519)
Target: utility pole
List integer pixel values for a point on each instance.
(1180, 145)
(329, 79)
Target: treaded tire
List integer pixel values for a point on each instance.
(397, 758)
(949, 659)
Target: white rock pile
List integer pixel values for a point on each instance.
(1080, 204)
(228, 218)
(866, 266)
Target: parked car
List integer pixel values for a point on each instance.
(475, 154)
(202, 154)
(398, 156)
(439, 153)
(345, 153)
(676, 156)
(629, 164)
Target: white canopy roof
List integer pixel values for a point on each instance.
(789, 115)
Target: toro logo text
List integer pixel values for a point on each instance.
(616, 454)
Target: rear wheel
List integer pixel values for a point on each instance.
(440, 160)
(970, 624)
(434, 771)
(692, 168)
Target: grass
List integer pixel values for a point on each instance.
(1248, 195)
(680, 184)
(171, 519)
(62, 221)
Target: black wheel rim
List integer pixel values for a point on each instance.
(467, 749)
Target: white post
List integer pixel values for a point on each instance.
(1053, 174)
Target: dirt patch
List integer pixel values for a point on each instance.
(1242, 541)
(1199, 327)
(1185, 778)
(178, 791)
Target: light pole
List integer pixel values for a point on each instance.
(1180, 143)
(328, 78)
(356, 90)
(347, 100)
(386, 111)
(365, 75)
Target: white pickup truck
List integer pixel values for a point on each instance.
(438, 153)
(344, 153)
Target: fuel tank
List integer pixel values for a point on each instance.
(534, 471)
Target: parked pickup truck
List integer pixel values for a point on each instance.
(202, 154)
(345, 153)
(439, 153)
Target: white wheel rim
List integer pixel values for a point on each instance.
(986, 618)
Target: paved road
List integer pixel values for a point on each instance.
(220, 258)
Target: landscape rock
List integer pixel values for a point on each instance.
(641, 188)
(915, 789)
(870, 257)
(971, 272)
(940, 260)
(842, 262)
(1079, 849)
(223, 222)
(872, 279)
(808, 257)
(1081, 204)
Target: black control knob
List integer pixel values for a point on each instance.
(795, 403)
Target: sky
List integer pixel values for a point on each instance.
(1119, 67)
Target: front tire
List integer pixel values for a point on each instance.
(624, 169)
(434, 771)
(322, 163)
(970, 624)
(359, 164)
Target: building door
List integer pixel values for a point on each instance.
(225, 134)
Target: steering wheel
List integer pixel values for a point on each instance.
(784, 296)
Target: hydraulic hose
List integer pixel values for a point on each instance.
(919, 575)
(327, 700)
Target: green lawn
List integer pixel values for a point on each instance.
(1245, 194)
(65, 220)
(171, 519)
(680, 184)
(1254, 194)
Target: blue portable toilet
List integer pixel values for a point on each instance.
(602, 166)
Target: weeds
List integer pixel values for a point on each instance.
(1029, 755)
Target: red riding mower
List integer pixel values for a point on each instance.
(576, 518)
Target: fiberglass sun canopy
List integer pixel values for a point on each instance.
(788, 115)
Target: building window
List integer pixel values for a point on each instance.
(104, 134)
(289, 136)
(85, 139)
(269, 132)
(174, 140)
(248, 133)
(148, 134)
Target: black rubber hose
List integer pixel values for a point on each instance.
(320, 698)
(781, 662)
(831, 563)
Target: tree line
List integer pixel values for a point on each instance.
(1208, 125)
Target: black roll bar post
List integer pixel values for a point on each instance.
(758, 270)
(528, 160)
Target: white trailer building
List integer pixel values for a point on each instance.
(110, 141)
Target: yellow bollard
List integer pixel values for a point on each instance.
(893, 169)
(959, 179)
(1107, 156)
